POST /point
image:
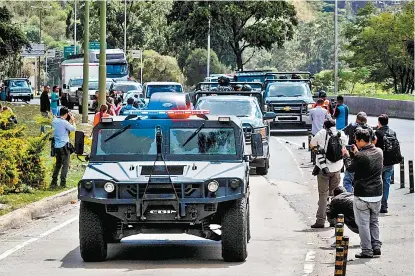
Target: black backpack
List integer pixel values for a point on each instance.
(334, 147)
(391, 149)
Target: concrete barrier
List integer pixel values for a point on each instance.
(375, 107)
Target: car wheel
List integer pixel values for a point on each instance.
(92, 242)
(248, 207)
(235, 232)
(263, 170)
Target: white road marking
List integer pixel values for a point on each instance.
(32, 240)
(309, 262)
(292, 155)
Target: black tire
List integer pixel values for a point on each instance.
(248, 221)
(92, 242)
(80, 109)
(234, 232)
(263, 170)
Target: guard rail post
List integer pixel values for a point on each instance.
(402, 169)
(338, 266)
(411, 176)
(345, 245)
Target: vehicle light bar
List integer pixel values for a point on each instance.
(165, 112)
(224, 119)
(106, 120)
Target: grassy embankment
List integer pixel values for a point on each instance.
(26, 116)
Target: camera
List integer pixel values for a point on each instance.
(321, 157)
(68, 118)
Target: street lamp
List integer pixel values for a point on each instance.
(40, 37)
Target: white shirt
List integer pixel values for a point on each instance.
(318, 115)
(320, 140)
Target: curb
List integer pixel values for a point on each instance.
(35, 210)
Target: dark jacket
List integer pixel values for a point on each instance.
(44, 102)
(350, 130)
(343, 204)
(367, 165)
(380, 132)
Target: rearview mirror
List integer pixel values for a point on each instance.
(269, 116)
(79, 142)
(257, 147)
(64, 86)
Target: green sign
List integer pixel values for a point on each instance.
(95, 45)
(69, 50)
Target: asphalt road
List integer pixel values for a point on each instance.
(283, 205)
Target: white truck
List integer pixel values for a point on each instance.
(72, 79)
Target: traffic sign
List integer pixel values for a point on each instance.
(136, 53)
(36, 51)
(94, 45)
(69, 50)
(51, 53)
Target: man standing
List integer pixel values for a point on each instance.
(391, 155)
(341, 113)
(367, 164)
(44, 105)
(330, 142)
(361, 121)
(318, 115)
(61, 128)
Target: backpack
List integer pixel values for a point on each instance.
(391, 149)
(334, 147)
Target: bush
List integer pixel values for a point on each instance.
(21, 166)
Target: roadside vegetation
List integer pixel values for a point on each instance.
(25, 161)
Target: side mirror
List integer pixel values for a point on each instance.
(257, 147)
(79, 142)
(269, 115)
(64, 86)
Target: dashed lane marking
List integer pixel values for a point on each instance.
(32, 240)
(309, 263)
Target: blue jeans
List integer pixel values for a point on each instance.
(55, 111)
(348, 181)
(386, 177)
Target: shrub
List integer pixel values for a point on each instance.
(21, 166)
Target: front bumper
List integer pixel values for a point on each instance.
(21, 95)
(291, 121)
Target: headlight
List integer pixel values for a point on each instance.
(109, 187)
(213, 186)
(235, 183)
(262, 131)
(88, 185)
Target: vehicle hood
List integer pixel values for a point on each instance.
(289, 99)
(131, 171)
(253, 121)
(73, 88)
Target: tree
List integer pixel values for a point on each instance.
(380, 42)
(196, 66)
(12, 40)
(157, 67)
(236, 25)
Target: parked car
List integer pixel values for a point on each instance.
(18, 88)
(121, 88)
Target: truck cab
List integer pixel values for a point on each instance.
(18, 88)
(171, 171)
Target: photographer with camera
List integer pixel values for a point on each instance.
(328, 143)
(63, 149)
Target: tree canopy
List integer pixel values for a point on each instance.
(235, 26)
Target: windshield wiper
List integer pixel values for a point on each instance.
(193, 134)
(277, 96)
(118, 133)
(298, 95)
(242, 116)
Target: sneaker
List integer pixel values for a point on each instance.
(383, 211)
(317, 225)
(377, 252)
(363, 256)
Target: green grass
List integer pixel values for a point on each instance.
(401, 97)
(26, 116)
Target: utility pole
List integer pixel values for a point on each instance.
(125, 26)
(74, 37)
(208, 51)
(85, 83)
(141, 69)
(102, 55)
(40, 42)
(336, 49)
